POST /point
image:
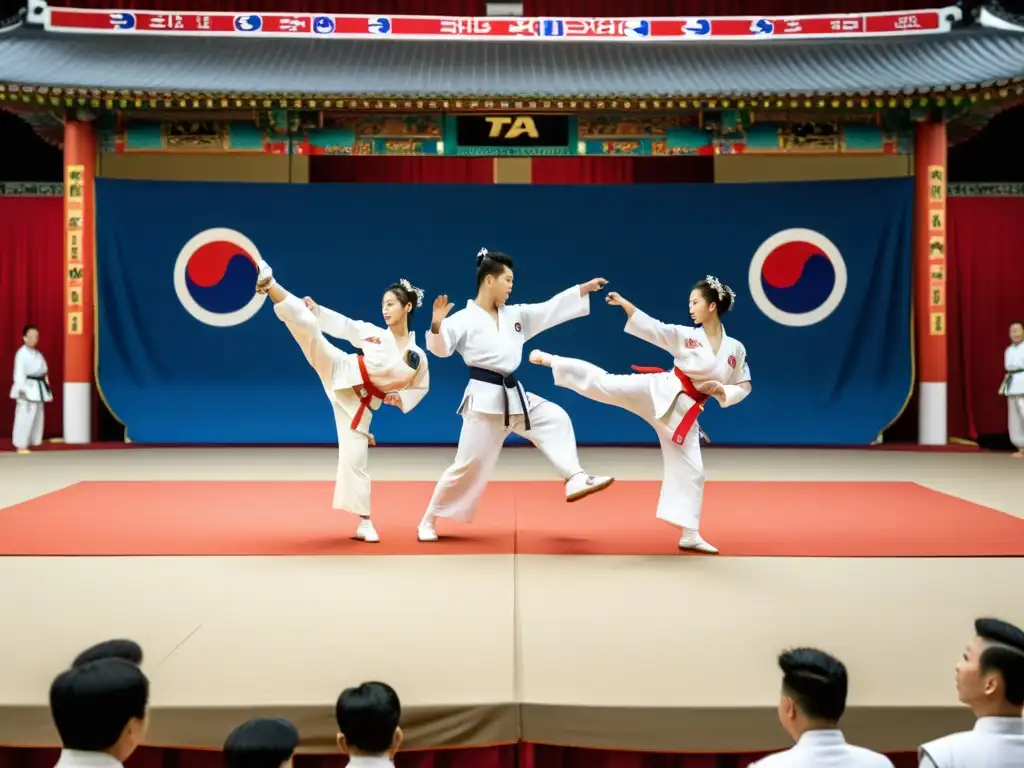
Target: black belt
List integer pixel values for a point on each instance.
(506, 383)
(42, 382)
(1009, 378)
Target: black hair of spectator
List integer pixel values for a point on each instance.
(816, 682)
(1004, 654)
(119, 648)
(263, 742)
(94, 703)
(368, 716)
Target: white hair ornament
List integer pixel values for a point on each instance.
(481, 253)
(717, 286)
(412, 289)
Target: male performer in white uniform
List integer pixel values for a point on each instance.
(490, 335)
(389, 368)
(1012, 387)
(814, 687)
(990, 680)
(30, 390)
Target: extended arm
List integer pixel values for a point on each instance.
(337, 325)
(638, 323)
(562, 307)
(410, 397)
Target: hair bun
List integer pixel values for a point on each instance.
(480, 255)
(721, 289)
(414, 293)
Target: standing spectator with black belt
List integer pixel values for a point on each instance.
(1012, 387)
(30, 391)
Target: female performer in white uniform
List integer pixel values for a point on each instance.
(30, 391)
(490, 335)
(1012, 387)
(389, 368)
(708, 363)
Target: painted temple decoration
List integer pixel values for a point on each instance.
(702, 133)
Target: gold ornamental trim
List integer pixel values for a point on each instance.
(47, 96)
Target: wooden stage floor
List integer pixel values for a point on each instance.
(633, 648)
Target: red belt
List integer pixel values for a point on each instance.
(366, 393)
(690, 391)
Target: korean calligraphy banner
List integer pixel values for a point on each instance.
(188, 354)
(74, 194)
(937, 250)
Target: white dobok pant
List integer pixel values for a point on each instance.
(352, 484)
(1015, 418)
(28, 424)
(682, 486)
(458, 492)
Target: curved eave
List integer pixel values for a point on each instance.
(164, 69)
(1005, 92)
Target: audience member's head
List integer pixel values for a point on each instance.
(368, 717)
(119, 648)
(263, 742)
(101, 706)
(990, 674)
(814, 688)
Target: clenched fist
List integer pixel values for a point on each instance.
(592, 285)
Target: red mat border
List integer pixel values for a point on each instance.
(495, 540)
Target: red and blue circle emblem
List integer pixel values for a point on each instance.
(215, 277)
(797, 277)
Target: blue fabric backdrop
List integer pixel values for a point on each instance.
(172, 378)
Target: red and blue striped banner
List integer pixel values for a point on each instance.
(350, 27)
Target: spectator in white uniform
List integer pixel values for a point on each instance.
(30, 392)
(814, 686)
(100, 710)
(990, 680)
(368, 725)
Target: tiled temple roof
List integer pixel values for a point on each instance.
(465, 69)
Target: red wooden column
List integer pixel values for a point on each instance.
(80, 304)
(930, 157)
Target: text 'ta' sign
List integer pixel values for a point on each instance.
(513, 132)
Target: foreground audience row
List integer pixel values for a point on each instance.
(100, 709)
